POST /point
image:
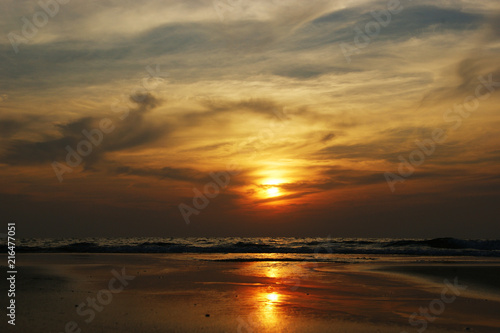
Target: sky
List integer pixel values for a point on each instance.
(250, 118)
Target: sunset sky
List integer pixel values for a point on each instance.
(307, 115)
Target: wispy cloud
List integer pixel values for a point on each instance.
(135, 130)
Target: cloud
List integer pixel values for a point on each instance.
(21, 152)
(133, 131)
(181, 174)
(327, 137)
(328, 179)
(365, 151)
(494, 26)
(9, 127)
(291, 45)
(284, 197)
(227, 113)
(206, 148)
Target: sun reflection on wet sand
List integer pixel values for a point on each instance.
(272, 272)
(268, 313)
(273, 297)
(330, 298)
(270, 299)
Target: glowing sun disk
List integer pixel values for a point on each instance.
(273, 191)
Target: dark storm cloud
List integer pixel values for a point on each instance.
(134, 130)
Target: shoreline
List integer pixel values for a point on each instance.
(185, 293)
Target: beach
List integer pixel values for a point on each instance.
(242, 293)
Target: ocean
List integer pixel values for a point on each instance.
(289, 248)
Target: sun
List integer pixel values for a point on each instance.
(271, 187)
(273, 191)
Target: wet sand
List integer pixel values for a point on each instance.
(176, 293)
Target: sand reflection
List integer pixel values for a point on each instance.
(268, 312)
(271, 298)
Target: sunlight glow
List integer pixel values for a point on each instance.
(273, 297)
(272, 181)
(271, 187)
(273, 191)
